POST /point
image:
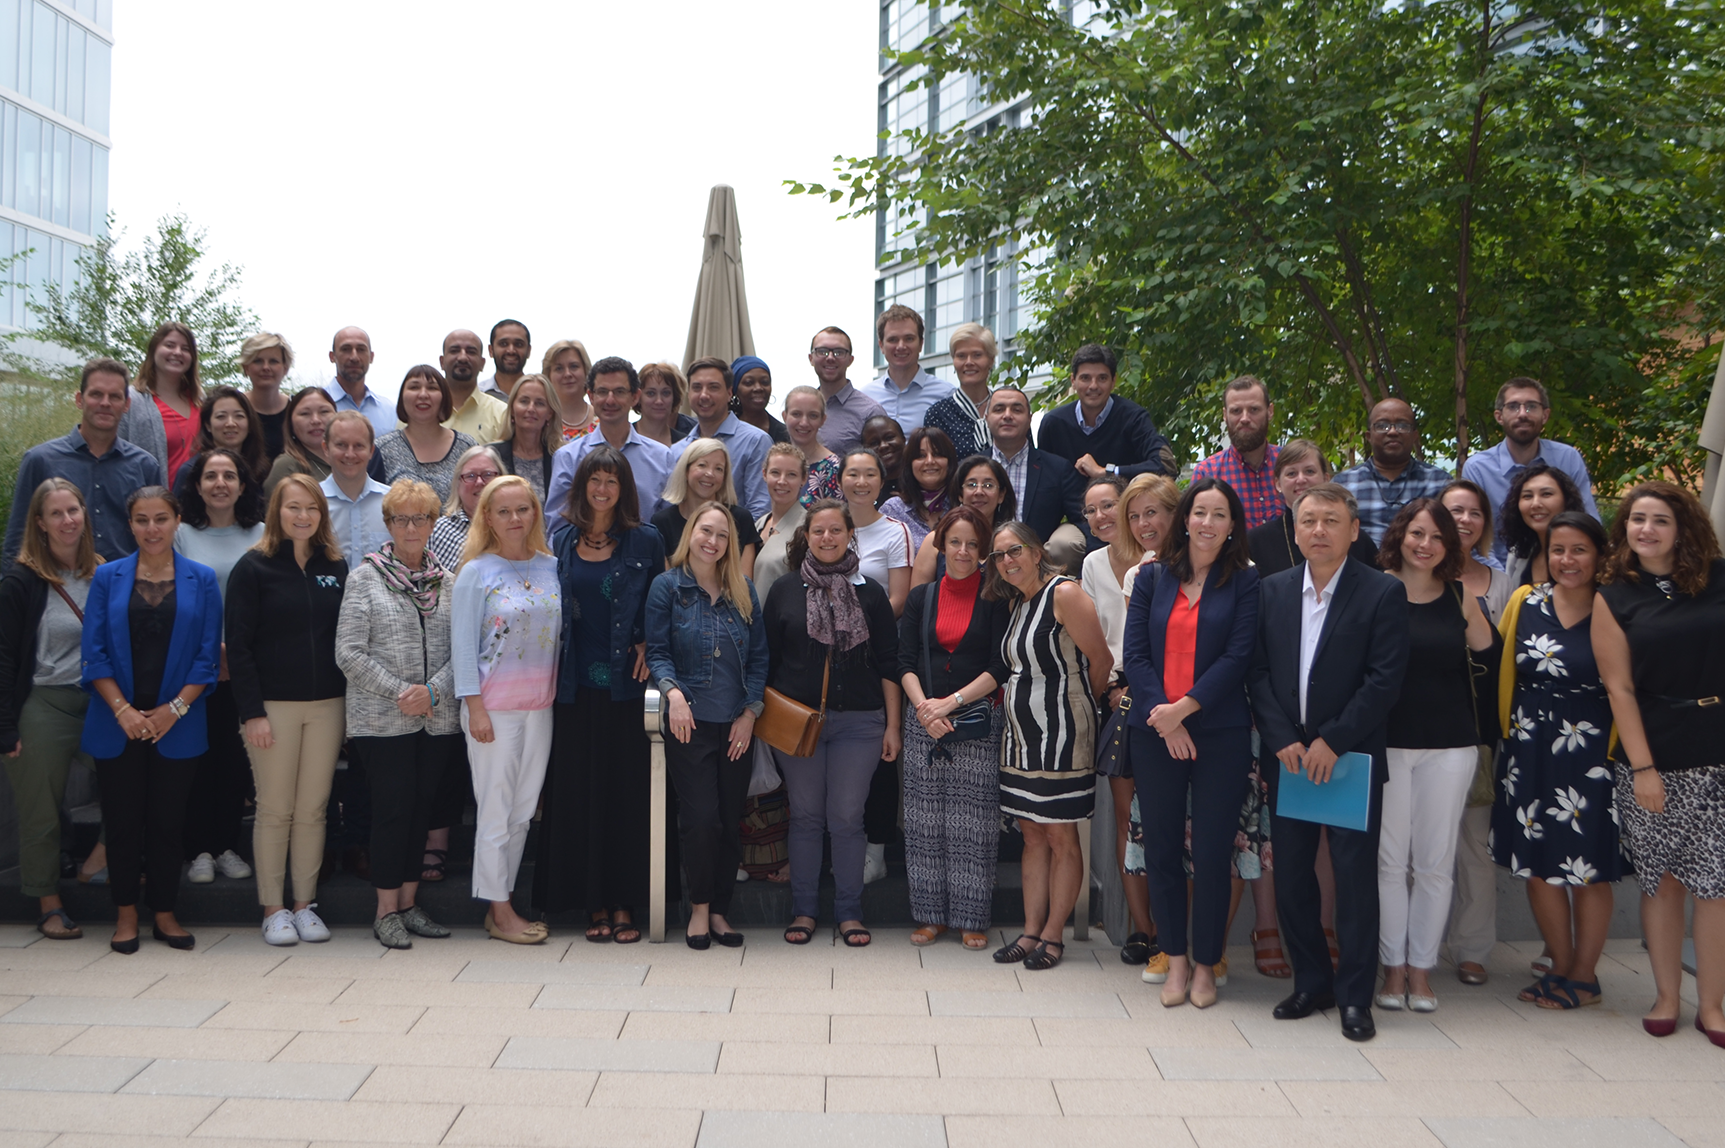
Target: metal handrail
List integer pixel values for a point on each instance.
(653, 719)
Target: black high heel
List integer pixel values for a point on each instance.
(184, 941)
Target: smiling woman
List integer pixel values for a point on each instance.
(425, 450)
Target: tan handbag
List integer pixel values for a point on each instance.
(788, 725)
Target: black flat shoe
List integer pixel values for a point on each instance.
(1136, 950)
(729, 940)
(1357, 1023)
(184, 941)
(699, 941)
(127, 947)
(1299, 1006)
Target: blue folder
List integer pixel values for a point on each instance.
(1343, 801)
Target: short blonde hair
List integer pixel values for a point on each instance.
(974, 333)
(555, 349)
(261, 342)
(348, 417)
(807, 390)
(408, 494)
(1157, 486)
(785, 450)
(677, 486)
(480, 539)
(735, 585)
(323, 540)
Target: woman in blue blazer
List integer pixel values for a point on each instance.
(1190, 629)
(152, 646)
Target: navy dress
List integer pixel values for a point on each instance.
(1554, 819)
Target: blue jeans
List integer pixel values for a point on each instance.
(827, 791)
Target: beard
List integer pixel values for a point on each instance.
(461, 373)
(1250, 439)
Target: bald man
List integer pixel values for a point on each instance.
(351, 353)
(475, 413)
(1390, 477)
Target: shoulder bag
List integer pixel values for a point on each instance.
(1483, 790)
(788, 725)
(971, 721)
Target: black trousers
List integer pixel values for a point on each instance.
(1354, 856)
(711, 790)
(880, 811)
(455, 791)
(218, 797)
(1217, 780)
(405, 772)
(143, 817)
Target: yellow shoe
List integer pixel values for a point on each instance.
(1156, 971)
(1221, 968)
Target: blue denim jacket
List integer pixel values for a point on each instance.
(684, 627)
(638, 559)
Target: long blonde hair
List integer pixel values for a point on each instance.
(37, 554)
(730, 566)
(274, 536)
(1157, 486)
(481, 540)
(677, 486)
(551, 434)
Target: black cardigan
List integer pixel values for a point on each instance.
(795, 660)
(23, 597)
(281, 629)
(978, 652)
(1273, 549)
(506, 451)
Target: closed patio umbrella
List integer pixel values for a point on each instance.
(719, 324)
(1713, 439)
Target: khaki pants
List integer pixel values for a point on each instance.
(293, 778)
(1066, 548)
(49, 728)
(1473, 918)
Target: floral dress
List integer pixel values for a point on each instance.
(823, 482)
(1554, 818)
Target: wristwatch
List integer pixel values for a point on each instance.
(178, 705)
(958, 698)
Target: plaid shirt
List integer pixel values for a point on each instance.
(1017, 470)
(1381, 499)
(1255, 486)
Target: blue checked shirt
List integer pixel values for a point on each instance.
(1381, 499)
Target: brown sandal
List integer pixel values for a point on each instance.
(926, 934)
(975, 940)
(1267, 954)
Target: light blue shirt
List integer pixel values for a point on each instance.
(909, 406)
(747, 447)
(357, 522)
(1494, 470)
(649, 462)
(382, 418)
(1100, 419)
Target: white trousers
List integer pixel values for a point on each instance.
(507, 774)
(1473, 921)
(1423, 801)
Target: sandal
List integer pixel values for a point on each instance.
(625, 932)
(1042, 958)
(1539, 989)
(1015, 952)
(434, 871)
(926, 934)
(849, 937)
(1565, 994)
(1541, 964)
(975, 940)
(599, 928)
(536, 932)
(799, 934)
(1267, 954)
(68, 930)
(1136, 950)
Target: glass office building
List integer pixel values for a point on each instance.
(56, 61)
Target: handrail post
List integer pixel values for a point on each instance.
(653, 720)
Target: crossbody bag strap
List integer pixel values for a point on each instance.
(928, 604)
(1467, 659)
(61, 590)
(826, 676)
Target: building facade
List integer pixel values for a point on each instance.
(56, 67)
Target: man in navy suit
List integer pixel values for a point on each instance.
(1332, 650)
(1048, 487)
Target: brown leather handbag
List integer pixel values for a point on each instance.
(788, 725)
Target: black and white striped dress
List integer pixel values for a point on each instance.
(1048, 753)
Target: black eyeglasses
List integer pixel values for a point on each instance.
(1014, 552)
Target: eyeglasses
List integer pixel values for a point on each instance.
(480, 478)
(984, 484)
(1385, 426)
(1013, 552)
(829, 353)
(403, 521)
(1521, 408)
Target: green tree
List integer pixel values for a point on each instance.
(1353, 199)
(118, 300)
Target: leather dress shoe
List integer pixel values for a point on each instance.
(1301, 1005)
(1357, 1023)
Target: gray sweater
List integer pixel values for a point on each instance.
(142, 426)
(382, 648)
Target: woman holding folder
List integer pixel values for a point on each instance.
(1190, 629)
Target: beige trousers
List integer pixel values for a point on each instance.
(293, 778)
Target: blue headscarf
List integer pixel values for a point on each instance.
(743, 366)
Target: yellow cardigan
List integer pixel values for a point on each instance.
(1506, 669)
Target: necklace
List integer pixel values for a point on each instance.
(602, 542)
(525, 584)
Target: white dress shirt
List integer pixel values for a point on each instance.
(1314, 608)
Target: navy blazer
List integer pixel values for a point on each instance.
(1227, 631)
(194, 653)
(1356, 674)
(1053, 490)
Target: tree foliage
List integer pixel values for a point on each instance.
(119, 299)
(1353, 200)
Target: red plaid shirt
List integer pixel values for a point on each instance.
(1256, 488)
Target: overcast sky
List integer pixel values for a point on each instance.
(416, 167)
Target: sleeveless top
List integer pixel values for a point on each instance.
(1436, 707)
(1050, 713)
(1677, 660)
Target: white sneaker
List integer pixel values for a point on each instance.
(309, 925)
(202, 870)
(874, 867)
(279, 930)
(231, 864)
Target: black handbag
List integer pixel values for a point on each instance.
(971, 721)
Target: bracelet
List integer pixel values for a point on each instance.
(124, 706)
(433, 691)
(178, 705)
(1640, 768)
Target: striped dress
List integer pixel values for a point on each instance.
(1048, 753)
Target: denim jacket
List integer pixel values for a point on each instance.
(684, 627)
(638, 559)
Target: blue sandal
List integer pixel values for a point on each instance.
(1565, 994)
(1539, 990)
(71, 932)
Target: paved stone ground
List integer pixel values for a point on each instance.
(473, 1042)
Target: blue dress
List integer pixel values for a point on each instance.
(1555, 819)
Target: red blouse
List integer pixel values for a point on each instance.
(1180, 651)
(957, 603)
(182, 432)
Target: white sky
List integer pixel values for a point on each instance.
(413, 167)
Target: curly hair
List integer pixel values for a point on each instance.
(1518, 535)
(1695, 552)
(797, 548)
(1454, 557)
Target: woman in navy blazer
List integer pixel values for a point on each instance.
(152, 645)
(1190, 629)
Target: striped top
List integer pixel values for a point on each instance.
(1050, 713)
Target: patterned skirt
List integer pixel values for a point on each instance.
(1052, 797)
(1687, 840)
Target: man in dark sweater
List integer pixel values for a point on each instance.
(1100, 433)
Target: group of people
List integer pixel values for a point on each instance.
(920, 620)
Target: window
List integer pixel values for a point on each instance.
(61, 188)
(99, 191)
(96, 77)
(42, 55)
(904, 24)
(29, 163)
(903, 111)
(8, 57)
(949, 311)
(81, 149)
(954, 102)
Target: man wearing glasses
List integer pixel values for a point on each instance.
(1390, 477)
(1522, 409)
(847, 408)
